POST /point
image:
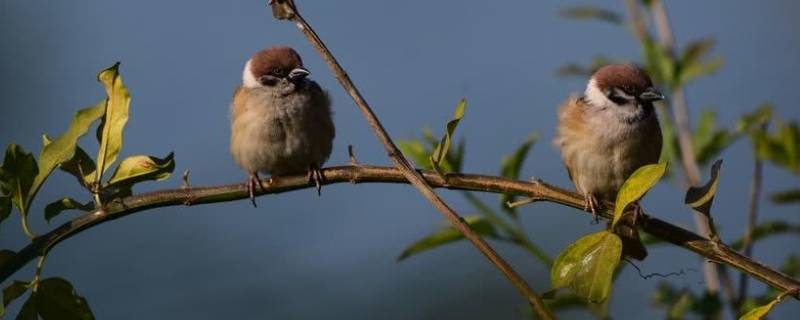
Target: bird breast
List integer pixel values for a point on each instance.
(279, 133)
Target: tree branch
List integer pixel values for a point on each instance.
(538, 190)
(287, 10)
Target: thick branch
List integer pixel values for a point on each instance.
(538, 190)
(286, 9)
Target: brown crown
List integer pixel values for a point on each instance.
(627, 77)
(266, 61)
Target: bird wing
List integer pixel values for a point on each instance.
(571, 127)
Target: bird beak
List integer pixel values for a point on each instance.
(298, 74)
(651, 94)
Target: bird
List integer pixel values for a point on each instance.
(608, 133)
(281, 121)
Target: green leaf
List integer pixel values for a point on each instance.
(701, 198)
(669, 149)
(511, 166)
(768, 229)
(140, 168)
(708, 141)
(5, 208)
(786, 196)
(761, 116)
(28, 311)
(658, 63)
(592, 13)
(62, 148)
(759, 313)
(416, 151)
(116, 115)
(440, 152)
(66, 203)
(81, 166)
(447, 235)
(696, 50)
(587, 266)
(14, 291)
(19, 169)
(698, 69)
(57, 299)
(636, 186)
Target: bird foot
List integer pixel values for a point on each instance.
(637, 212)
(252, 182)
(592, 206)
(315, 175)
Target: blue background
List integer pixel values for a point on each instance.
(300, 256)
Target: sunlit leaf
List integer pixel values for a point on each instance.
(57, 299)
(440, 152)
(19, 169)
(447, 235)
(62, 148)
(587, 266)
(142, 168)
(768, 229)
(760, 312)
(786, 196)
(591, 13)
(66, 203)
(116, 115)
(636, 186)
(701, 198)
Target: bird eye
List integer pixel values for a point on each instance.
(277, 72)
(612, 95)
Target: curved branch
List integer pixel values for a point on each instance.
(538, 190)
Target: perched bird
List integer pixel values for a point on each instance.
(280, 120)
(609, 132)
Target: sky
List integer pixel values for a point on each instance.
(301, 256)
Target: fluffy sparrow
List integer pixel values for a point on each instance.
(280, 120)
(609, 132)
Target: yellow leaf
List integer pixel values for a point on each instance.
(116, 115)
(636, 186)
(700, 198)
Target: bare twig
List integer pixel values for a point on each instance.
(538, 190)
(703, 223)
(286, 9)
(752, 218)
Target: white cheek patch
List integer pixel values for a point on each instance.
(594, 96)
(248, 80)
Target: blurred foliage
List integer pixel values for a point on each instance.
(21, 178)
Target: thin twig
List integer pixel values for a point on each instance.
(286, 9)
(703, 223)
(752, 219)
(719, 253)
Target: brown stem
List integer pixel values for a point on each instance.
(752, 218)
(286, 9)
(538, 190)
(703, 223)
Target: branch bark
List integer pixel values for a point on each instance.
(538, 190)
(287, 10)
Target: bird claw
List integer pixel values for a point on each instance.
(315, 175)
(252, 182)
(591, 205)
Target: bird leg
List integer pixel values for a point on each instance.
(252, 182)
(637, 212)
(315, 175)
(592, 205)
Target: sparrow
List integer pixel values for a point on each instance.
(280, 120)
(608, 133)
